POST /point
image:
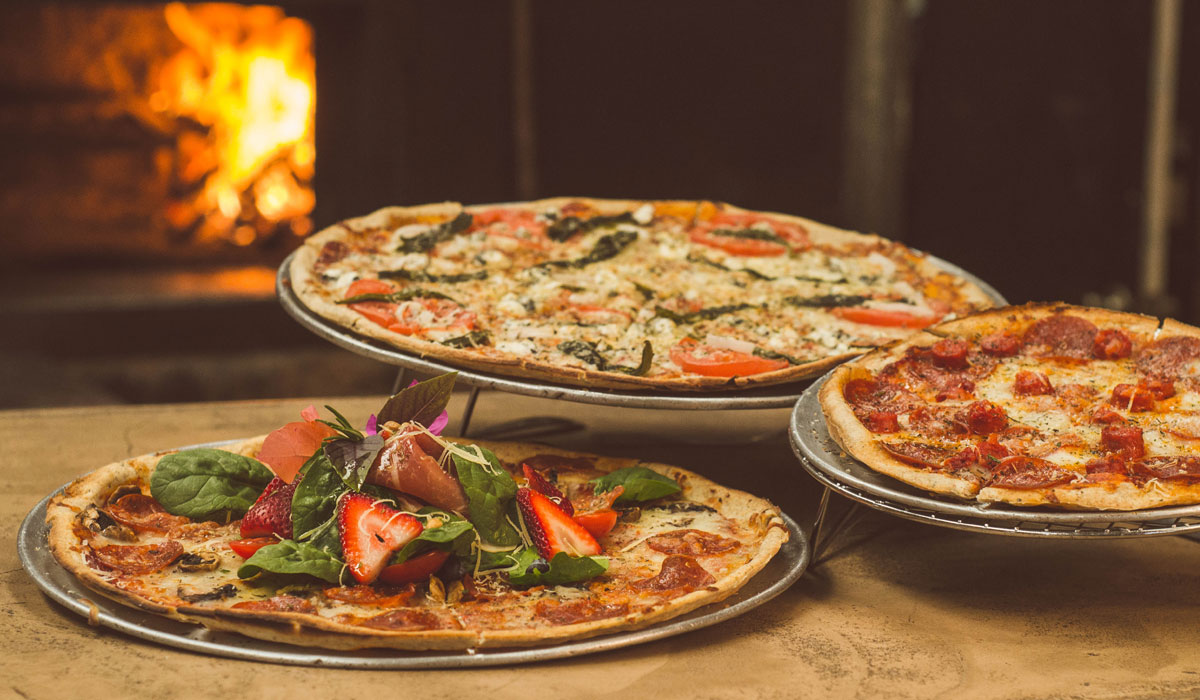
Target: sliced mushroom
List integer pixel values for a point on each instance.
(220, 593)
(629, 515)
(199, 561)
(95, 520)
(437, 590)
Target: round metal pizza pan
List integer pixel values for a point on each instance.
(825, 460)
(63, 588)
(778, 396)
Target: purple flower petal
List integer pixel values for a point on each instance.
(372, 425)
(439, 423)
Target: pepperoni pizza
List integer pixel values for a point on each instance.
(1039, 405)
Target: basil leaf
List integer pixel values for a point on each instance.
(532, 570)
(395, 297)
(425, 242)
(453, 534)
(203, 482)
(421, 276)
(826, 300)
(702, 315)
(291, 557)
(422, 402)
(608, 246)
(316, 496)
(641, 484)
(490, 492)
(352, 459)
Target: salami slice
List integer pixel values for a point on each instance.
(1165, 357)
(1061, 335)
(139, 558)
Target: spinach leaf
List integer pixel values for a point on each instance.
(424, 242)
(396, 297)
(608, 246)
(532, 570)
(454, 534)
(352, 459)
(316, 497)
(826, 300)
(756, 234)
(422, 402)
(772, 355)
(701, 315)
(422, 276)
(586, 351)
(203, 482)
(291, 557)
(490, 493)
(641, 484)
(568, 226)
(473, 339)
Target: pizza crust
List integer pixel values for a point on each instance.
(859, 442)
(756, 514)
(308, 289)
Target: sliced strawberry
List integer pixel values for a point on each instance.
(597, 522)
(542, 485)
(370, 532)
(271, 514)
(247, 547)
(552, 530)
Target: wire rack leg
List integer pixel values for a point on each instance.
(465, 424)
(401, 380)
(830, 532)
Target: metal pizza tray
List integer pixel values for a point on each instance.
(63, 588)
(825, 460)
(777, 396)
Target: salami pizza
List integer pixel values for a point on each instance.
(677, 295)
(1037, 405)
(321, 534)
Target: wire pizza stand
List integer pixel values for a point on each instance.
(778, 396)
(840, 473)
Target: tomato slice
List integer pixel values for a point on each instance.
(442, 315)
(418, 568)
(359, 287)
(706, 360)
(247, 547)
(598, 522)
(884, 317)
(379, 312)
(748, 247)
(792, 233)
(522, 226)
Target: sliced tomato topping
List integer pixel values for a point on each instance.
(370, 595)
(795, 234)
(706, 360)
(247, 547)
(360, 287)
(597, 522)
(380, 312)
(418, 568)
(884, 317)
(521, 226)
(418, 316)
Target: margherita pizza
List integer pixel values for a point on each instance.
(680, 295)
(1039, 405)
(320, 534)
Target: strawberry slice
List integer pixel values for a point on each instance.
(597, 522)
(370, 532)
(271, 514)
(552, 530)
(542, 485)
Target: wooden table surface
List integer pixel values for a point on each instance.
(897, 609)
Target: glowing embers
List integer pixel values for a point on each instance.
(242, 90)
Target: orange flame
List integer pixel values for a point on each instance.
(247, 75)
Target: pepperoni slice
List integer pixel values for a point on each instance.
(950, 353)
(1183, 468)
(991, 451)
(860, 391)
(557, 613)
(1131, 398)
(937, 421)
(1123, 440)
(1000, 344)
(138, 559)
(918, 454)
(279, 603)
(985, 418)
(1108, 468)
(968, 457)
(955, 388)
(694, 543)
(881, 421)
(1028, 383)
(1165, 357)
(678, 572)
(1160, 389)
(1104, 414)
(407, 619)
(369, 595)
(144, 514)
(1025, 473)
(332, 252)
(878, 395)
(1061, 335)
(1112, 344)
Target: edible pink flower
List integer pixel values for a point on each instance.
(372, 425)
(310, 413)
